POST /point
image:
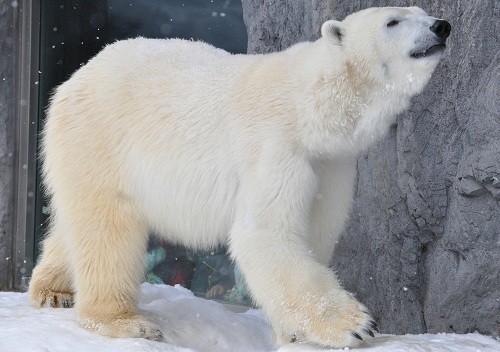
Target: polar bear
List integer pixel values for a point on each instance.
(203, 147)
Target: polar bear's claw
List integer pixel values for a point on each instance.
(356, 335)
(369, 332)
(373, 325)
(53, 299)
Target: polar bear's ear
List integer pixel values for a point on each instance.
(333, 30)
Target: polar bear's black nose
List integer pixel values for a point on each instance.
(442, 28)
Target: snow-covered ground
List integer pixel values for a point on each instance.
(189, 324)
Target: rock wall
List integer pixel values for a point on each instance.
(7, 68)
(422, 249)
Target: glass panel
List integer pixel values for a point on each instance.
(72, 31)
(209, 274)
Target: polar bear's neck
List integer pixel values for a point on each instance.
(346, 109)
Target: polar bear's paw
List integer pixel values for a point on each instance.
(345, 327)
(50, 298)
(334, 320)
(133, 326)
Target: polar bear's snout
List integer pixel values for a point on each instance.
(435, 42)
(441, 28)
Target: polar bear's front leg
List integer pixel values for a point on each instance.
(269, 242)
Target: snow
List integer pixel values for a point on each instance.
(189, 323)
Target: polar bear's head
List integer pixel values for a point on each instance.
(398, 46)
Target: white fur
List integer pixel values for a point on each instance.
(203, 147)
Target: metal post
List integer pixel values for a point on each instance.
(27, 45)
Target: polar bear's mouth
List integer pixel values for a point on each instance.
(429, 51)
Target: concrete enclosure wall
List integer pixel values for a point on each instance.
(422, 248)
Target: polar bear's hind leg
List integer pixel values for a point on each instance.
(109, 239)
(51, 282)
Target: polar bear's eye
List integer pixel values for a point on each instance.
(392, 23)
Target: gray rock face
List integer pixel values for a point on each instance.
(422, 248)
(7, 64)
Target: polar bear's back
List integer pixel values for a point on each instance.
(141, 64)
(134, 84)
(156, 67)
(159, 52)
